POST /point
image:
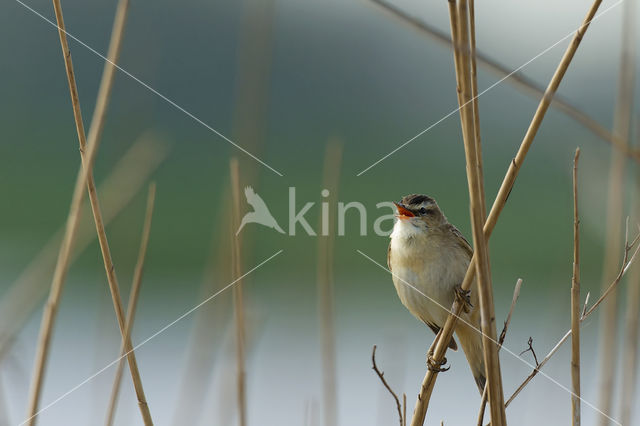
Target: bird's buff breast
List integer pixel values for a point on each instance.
(425, 273)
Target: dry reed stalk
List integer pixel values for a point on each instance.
(470, 121)
(627, 261)
(238, 300)
(251, 104)
(97, 123)
(133, 302)
(325, 280)
(632, 326)
(118, 189)
(252, 83)
(517, 79)
(202, 350)
(615, 205)
(575, 302)
(476, 109)
(507, 184)
(404, 409)
(222, 410)
(88, 153)
(503, 335)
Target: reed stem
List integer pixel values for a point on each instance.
(133, 303)
(575, 302)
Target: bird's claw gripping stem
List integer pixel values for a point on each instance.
(436, 366)
(464, 298)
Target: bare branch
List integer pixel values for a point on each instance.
(627, 261)
(386, 385)
(530, 349)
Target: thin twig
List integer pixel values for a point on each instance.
(538, 367)
(123, 182)
(517, 79)
(386, 385)
(530, 349)
(325, 280)
(133, 302)
(503, 335)
(586, 303)
(575, 302)
(516, 295)
(238, 299)
(627, 262)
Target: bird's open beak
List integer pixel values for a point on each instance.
(403, 212)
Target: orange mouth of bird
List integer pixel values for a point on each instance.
(403, 212)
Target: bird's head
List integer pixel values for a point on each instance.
(420, 211)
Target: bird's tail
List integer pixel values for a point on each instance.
(471, 342)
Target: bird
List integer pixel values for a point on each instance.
(428, 258)
(260, 213)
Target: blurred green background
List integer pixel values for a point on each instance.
(282, 88)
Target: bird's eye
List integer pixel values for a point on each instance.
(423, 210)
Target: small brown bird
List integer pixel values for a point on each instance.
(430, 254)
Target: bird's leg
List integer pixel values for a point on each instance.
(464, 298)
(432, 364)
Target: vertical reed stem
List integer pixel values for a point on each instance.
(575, 302)
(492, 361)
(615, 204)
(326, 311)
(238, 300)
(133, 303)
(632, 324)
